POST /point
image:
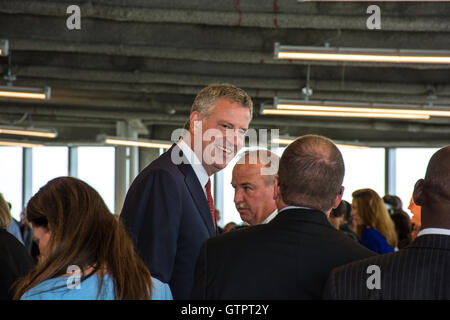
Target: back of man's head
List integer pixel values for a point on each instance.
(311, 172)
(437, 179)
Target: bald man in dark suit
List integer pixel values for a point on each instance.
(422, 269)
(291, 256)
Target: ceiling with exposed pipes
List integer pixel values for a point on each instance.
(144, 61)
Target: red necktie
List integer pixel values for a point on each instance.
(210, 201)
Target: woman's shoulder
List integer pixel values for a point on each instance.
(161, 290)
(371, 232)
(70, 288)
(377, 242)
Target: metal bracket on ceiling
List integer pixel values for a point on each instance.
(307, 90)
(9, 77)
(16, 122)
(431, 94)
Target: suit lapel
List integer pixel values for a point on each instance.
(197, 193)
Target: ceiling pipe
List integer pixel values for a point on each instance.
(225, 18)
(207, 55)
(147, 78)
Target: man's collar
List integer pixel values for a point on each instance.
(270, 217)
(433, 231)
(294, 207)
(197, 166)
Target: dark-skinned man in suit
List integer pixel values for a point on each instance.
(419, 271)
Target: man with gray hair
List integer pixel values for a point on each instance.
(253, 179)
(169, 209)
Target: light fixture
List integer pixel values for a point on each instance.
(353, 109)
(44, 133)
(136, 142)
(23, 144)
(4, 47)
(343, 114)
(25, 93)
(10, 91)
(361, 55)
(360, 107)
(286, 141)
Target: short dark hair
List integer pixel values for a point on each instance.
(342, 210)
(311, 172)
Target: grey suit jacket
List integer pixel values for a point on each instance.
(419, 271)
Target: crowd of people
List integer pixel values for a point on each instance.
(299, 240)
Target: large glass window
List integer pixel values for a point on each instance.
(96, 167)
(411, 166)
(229, 214)
(11, 178)
(48, 163)
(364, 168)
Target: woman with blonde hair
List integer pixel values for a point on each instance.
(5, 215)
(374, 227)
(85, 252)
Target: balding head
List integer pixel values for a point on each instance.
(437, 178)
(433, 192)
(311, 172)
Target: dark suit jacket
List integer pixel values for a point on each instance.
(419, 271)
(168, 218)
(15, 262)
(288, 258)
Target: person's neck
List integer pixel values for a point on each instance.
(83, 272)
(270, 210)
(435, 218)
(190, 143)
(281, 206)
(435, 225)
(267, 213)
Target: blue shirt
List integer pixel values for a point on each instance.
(161, 290)
(373, 240)
(14, 229)
(58, 289)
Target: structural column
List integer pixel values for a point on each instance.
(73, 161)
(27, 175)
(389, 177)
(126, 164)
(133, 156)
(147, 156)
(120, 169)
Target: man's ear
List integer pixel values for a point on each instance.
(194, 117)
(276, 188)
(338, 199)
(418, 194)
